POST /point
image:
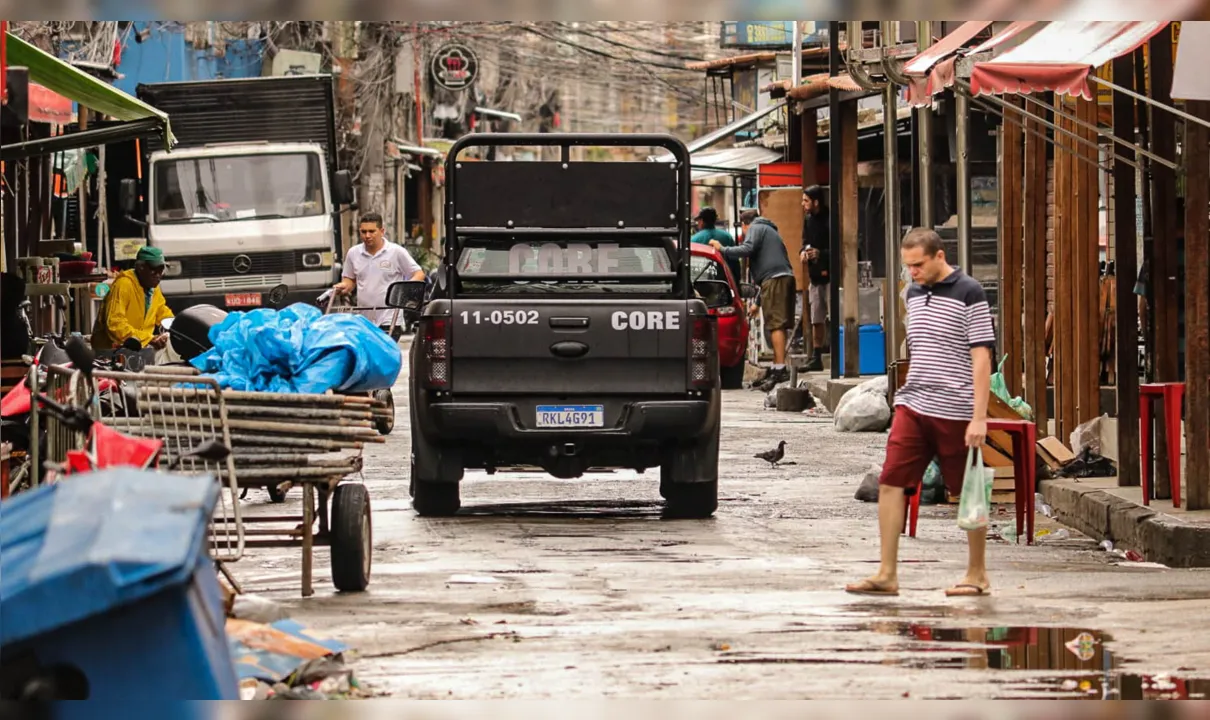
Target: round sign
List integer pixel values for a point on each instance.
(455, 66)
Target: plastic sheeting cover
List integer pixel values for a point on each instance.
(300, 350)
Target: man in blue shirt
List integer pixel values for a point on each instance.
(706, 220)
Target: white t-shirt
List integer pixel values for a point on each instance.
(375, 273)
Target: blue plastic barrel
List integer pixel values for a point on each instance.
(871, 350)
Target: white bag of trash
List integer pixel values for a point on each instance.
(255, 608)
(1088, 435)
(864, 408)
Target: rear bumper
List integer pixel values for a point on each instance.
(178, 303)
(487, 423)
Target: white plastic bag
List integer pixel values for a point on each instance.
(975, 502)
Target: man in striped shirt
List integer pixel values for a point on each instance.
(941, 410)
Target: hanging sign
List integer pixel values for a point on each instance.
(455, 66)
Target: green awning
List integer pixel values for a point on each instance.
(78, 86)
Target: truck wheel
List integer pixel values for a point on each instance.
(733, 377)
(435, 499)
(385, 425)
(352, 538)
(691, 501)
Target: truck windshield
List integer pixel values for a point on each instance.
(565, 266)
(238, 187)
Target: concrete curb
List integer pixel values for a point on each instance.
(1158, 537)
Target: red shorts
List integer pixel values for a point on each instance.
(914, 441)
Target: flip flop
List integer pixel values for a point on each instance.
(959, 590)
(869, 587)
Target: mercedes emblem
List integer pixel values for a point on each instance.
(242, 264)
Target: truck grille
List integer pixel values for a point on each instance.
(241, 281)
(262, 263)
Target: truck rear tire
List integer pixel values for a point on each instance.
(435, 499)
(691, 501)
(732, 378)
(689, 479)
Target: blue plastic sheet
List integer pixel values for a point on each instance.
(300, 350)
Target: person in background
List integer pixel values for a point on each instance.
(816, 243)
(135, 307)
(771, 269)
(707, 219)
(371, 266)
(941, 411)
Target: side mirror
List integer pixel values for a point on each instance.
(82, 356)
(406, 295)
(128, 195)
(748, 291)
(716, 293)
(342, 187)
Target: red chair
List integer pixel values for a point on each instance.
(1171, 394)
(1025, 476)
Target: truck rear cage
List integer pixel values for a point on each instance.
(568, 197)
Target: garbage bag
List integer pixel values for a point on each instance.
(1000, 388)
(865, 412)
(300, 350)
(868, 490)
(1088, 436)
(933, 485)
(1088, 464)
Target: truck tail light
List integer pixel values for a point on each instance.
(727, 311)
(700, 375)
(434, 332)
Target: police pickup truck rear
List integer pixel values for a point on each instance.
(563, 331)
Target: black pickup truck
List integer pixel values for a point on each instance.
(563, 331)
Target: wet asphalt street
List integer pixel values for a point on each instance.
(544, 588)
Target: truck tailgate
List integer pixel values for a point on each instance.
(569, 347)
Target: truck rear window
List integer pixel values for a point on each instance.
(574, 266)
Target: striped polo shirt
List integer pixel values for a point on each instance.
(944, 321)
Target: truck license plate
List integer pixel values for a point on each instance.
(243, 300)
(571, 416)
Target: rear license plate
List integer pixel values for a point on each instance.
(243, 300)
(571, 416)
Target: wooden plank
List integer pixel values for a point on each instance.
(808, 125)
(1087, 268)
(849, 220)
(1034, 270)
(1126, 262)
(1163, 264)
(1064, 320)
(1197, 308)
(1012, 241)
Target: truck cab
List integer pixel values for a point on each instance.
(564, 331)
(235, 220)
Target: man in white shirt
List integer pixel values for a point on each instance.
(372, 266)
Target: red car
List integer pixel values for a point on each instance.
(708, 264)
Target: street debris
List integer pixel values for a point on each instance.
(472, 580)
(284, 660)
(255, 608)
(1046, 536)
(1087, 464)
(1088, 436)
(868, 490)
(864, 408)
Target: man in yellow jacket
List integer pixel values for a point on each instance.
(135, 306)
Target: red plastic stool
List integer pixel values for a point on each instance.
(1171, 394)
(1025, 476)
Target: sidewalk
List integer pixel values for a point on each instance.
(1100, 509)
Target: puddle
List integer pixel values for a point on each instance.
(1041, 662)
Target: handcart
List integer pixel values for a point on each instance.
(384, 420)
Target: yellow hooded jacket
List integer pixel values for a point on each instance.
(125, 312)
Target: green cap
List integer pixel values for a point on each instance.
(151, 255)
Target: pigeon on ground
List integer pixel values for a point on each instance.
(773, 456)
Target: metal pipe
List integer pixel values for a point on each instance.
(1179, 113)
(890, 66)
(796, 55)
(890, 151)
(962, 132)
(1089, 126)
(924, 35)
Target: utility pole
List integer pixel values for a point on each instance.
(924, 40)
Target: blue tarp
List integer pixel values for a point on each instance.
(273, 652)
(300, 350)
(76, 549)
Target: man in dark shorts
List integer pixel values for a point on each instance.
(942, 408)
(770, 268)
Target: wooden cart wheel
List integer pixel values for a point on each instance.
(352, 537)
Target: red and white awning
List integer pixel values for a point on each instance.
(1059, 56)
(932, 71)
(1191, 79)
